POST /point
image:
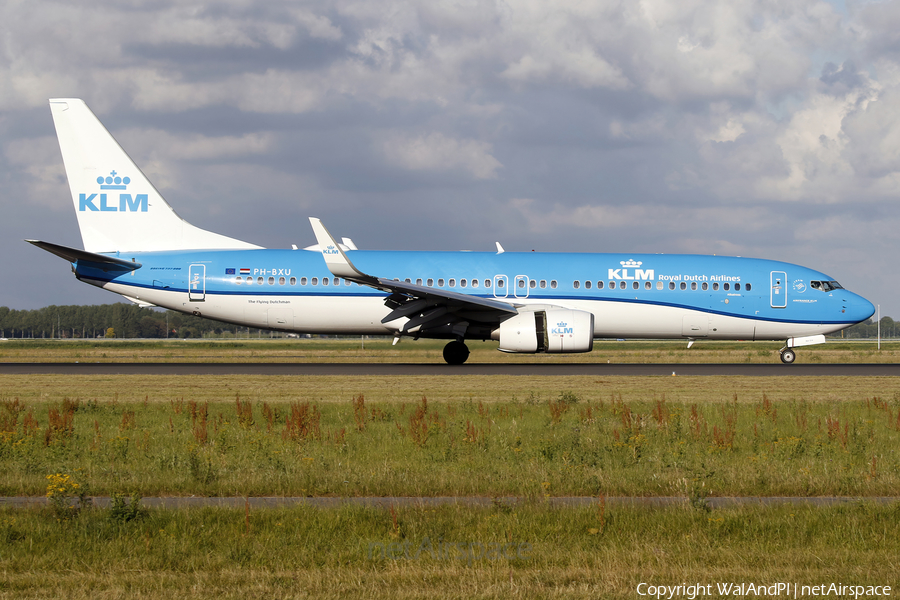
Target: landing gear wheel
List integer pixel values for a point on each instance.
(788, 356)
(456, 353)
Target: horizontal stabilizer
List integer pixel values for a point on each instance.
(86, 258)
(139, 302)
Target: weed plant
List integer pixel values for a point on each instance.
(570, 443)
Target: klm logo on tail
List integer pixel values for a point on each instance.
(103, 202)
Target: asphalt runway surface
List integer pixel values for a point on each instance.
(433, 369)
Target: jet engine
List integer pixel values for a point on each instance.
(553, 331)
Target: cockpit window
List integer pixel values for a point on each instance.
(825, 286)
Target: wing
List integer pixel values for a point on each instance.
(431, 310)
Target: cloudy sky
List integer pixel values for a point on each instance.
(766, 128)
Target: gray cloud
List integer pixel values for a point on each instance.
(746, 128)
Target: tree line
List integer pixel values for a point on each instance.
(130, 321)
(109, 320)
(869, 329)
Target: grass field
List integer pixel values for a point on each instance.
(410, 436)
(529, 551)
(531, 437)
(429, 351)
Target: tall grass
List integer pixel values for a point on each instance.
(559, 445)
(440, 552)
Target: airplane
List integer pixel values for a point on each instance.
(137, 246)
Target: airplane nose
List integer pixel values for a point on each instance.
(857, 308)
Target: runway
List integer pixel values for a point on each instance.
(434, 369)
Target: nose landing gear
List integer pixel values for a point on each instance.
(788, 356)
(456, 353)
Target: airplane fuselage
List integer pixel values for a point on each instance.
(136, 245)
(630, 295)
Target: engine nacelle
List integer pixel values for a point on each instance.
(553, 331)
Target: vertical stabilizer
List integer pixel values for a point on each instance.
(118, 208)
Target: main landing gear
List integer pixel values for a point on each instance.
(456, 353)
(788, 356)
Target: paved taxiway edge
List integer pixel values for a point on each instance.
(406, 369)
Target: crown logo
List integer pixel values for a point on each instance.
(630, 263)
(113, 182)
(561, 324)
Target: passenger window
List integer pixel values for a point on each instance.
(622, 285)
(587, 285)
(501, 283)
(429, 282)
(238, 280)
(532, 284)
(599, 285)
(487, 283)
(303, 281)
(648, 286)
(249, 280)
(576, 284)
(462, 283)
(281, 280)
(452, 283)
(441, 282)
(407, 280)
(553, 283)
(671, 285)
(419, 281)
(747, 287)
(737, 287)
(694, 285)
(315, 281)
(636, 285)
(259, 281)
(705, 286)
(474, 283)
(543, 283)
(659, 285)
(347, 282)
(293, 281)
(521, 284)
(324, 281)
(725, 287)
(716, 286)
(683, 285)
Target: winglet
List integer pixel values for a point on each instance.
(500, 249)
(335, 259)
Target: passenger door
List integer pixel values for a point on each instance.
(778, 289)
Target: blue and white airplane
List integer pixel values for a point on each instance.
(135, 245)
